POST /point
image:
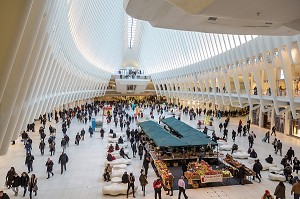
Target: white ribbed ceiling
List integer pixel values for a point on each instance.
(101, 31)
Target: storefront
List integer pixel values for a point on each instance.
(266, 123)
(279, 122)
(295, 125)
(255, 116)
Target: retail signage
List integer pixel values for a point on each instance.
(212, 178)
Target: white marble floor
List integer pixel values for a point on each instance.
(83, 178)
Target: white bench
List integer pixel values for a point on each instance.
(225, 147)
(115, 140)
(118, 161)
(117, 173)
(117, 189)
(267, 166)
(116, 180)
(119, 166)
(240, 155)
(123, 135)
(275, 169)
(126, 151)
(276, 177)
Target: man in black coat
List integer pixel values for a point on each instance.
(290, 153)
(49, 165)
(257, 167)
(63, 160)
(29, 161)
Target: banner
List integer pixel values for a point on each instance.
(212, 178)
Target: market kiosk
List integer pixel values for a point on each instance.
(169, 150)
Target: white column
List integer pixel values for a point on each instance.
(287, 123)
(260, 117)
(272, 118)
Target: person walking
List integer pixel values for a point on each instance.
(63, 144)
(296, 189)
(24, 137)
(24, 180)
(91, 131)
(140, 151)
(296, 165)
(131, 180)
(220, 126)
(28, 147)
(279, 147)
(102, 133)
(67, 138)
(146, 164)
(274, 143)
(134, 150)
(157, 185)
(143, 182)
(290, 154)
(280, 191)
(49, 164)
(273, 131)
(170, 182)
(42, 147)
(52, 148)
(9, 177)
(257, 167)
(181, 186)
(29, 161)
(233, 135)
(268, 137)
(16, 184)
(63, 160)
(77, 139)
(251, 141)
(82, 133)
(32, 185)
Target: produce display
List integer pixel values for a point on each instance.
(162, 170)
(204, 172)
(229, 159)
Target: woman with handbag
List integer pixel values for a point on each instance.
(32, 186)
(143, 181)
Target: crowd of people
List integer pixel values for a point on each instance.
(138, 147)
(30, 182)
(122, 119)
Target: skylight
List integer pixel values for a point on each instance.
(131, 31)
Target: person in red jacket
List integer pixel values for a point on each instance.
(157, 185)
